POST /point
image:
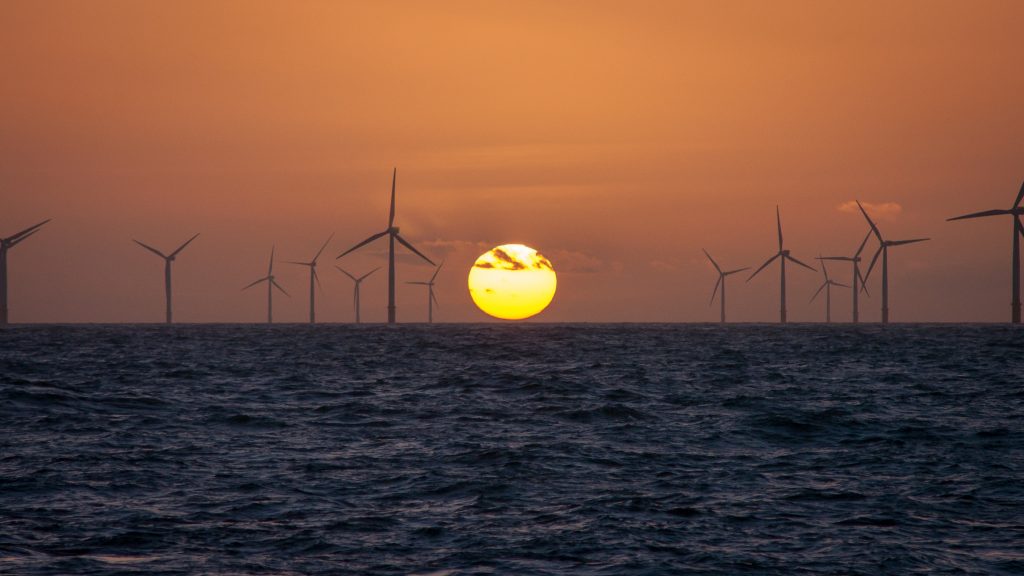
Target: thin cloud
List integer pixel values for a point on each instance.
(883, 210)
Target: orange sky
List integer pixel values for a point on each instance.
(616, 138)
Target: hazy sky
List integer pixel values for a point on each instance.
(617, 138)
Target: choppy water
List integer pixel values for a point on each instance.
(513, 449)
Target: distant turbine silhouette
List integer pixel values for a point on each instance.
(271, 284)
(827, 287)
(431, 299)
(1018, 231)
(721, 282)
(355, 291)
(883, 249)
(313, 279)
(392, 234)
(168, 259)
(5, 245)
(782, 255)
(857, 277)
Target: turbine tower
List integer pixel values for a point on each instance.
(1018, 231)
(883, 249)
(782, 255)
(168, 259)
(858, 279)
(431, 299)
(271, 284)
(827, 287)
(392, 233)
(355, 291)
(721, 282)
(313, 279)
(5, 245)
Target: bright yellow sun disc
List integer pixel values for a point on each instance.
(512, 282)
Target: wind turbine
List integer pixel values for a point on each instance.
(271, 284)
(431, 299)
(782, 255)
(355, 291)
(1018, 231)
(721, 281)
(857, 277)
(827, 287)
(313, 279)
(168, 259)
(392, 233)
(5, 245)
(883, 249)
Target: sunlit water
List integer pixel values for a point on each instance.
(513, 449)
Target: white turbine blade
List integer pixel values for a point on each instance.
(26, 232)
(872, 266)
(903, 242)
(778, 221)
(410, 247)
(278, 286)
(257, 282)
(365, 276)
(862, 245)
(870, 222)
(713, 263)
(363, 243)
(983, 214)
(182, 247)
(321, 250)
(763, 266)
(715, 291)
(820, 288)
(343, 271)
(151, 249)
(791, 259)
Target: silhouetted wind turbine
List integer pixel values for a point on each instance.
(313, 279)
(827, 287)
(392, 234)
(782, 255)
(355, 291)
(5, 245)
(431, 299)
(168, 259)
(1018, 231)
(721, 282)
(857, 277)
(883, 249)
(271, 284)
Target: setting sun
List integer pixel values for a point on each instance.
(512, 282)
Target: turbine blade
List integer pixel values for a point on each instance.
(419, 283)
(364, 276)
(257, 282)
(317, 278)
(902, 242)
(763, 266)
(1020, 196)
(391, 215)
(321, 250)
(298, 263)
(432, 278)
(874, 259)
(839, 284)
(982, 214)
(363, 243)
(824, 269)
(410, 247)
(842, 258)
(27, 231)
(870, 222)
(343, 271)
(778, 221)
(862, 245)
(731, 272)
(151, 249)
(715, 291)
(270, 269)
(182, 247)
(1018, 225)
(863, 284)
(278, 286)
(433, 297)
(790, 258)
(820, 288)
(13, 243)
(713, 263)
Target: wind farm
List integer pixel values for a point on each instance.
(782, 255)
(883, 250)
(827, 287)
(168, 261)
(356, 282)
(857, 280)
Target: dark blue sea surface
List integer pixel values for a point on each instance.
(512, 449)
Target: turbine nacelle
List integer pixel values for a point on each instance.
(393, 230)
